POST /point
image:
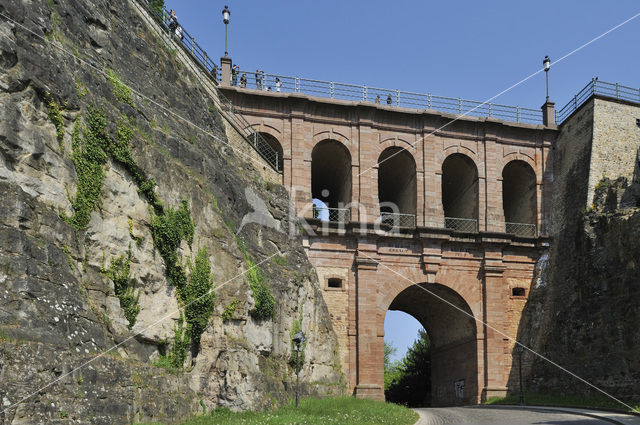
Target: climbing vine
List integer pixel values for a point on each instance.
(198, 297)
(120, 90)
(88, 158)
(265, 304)
(56, 118)
(119, 272)
(168, 230)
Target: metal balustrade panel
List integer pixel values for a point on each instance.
(466, 225)
(337, 215)
(398, 220)
(521, 229)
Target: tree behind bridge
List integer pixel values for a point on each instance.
(408, 381)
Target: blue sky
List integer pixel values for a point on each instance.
(457, 48)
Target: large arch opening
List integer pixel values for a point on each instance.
(397, 184)
(460, 192)
(276, 146)
(519, 199)
(331, 174)
(452, 343)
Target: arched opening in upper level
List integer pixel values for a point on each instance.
(276, 146)
(331, 174)
(460, 192)
(519, 198)
(452, 351)
(397, 182)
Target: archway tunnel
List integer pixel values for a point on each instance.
(453, 351)
(331, 174)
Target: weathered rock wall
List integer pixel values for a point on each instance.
(58, 307)
(584, 305)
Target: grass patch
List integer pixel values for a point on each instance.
(586, 401)
(339, 410)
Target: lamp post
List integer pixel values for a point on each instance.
(225, 18)
(547, 65)
(298, 339)
(520, 350)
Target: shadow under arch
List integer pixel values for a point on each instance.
(519, 197)
(453, 338)
(397, 180)
(276, 145)
(460, 187)
(331, 173)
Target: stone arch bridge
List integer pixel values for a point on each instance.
(444, 220)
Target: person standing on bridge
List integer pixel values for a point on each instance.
(243, 80)
(389, 99)
(234, 75)
(173, 20)
(258, 80)
(278, 84)
(378, 99)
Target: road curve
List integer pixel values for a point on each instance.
(508, 416)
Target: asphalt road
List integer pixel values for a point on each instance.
(491, 416)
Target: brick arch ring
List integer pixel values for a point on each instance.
(517, 156)
(393, 143)
(395, 289)
(331, 135)
(451, 150)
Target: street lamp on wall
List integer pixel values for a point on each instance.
(225, 18)
(298, 340)
(547, 65)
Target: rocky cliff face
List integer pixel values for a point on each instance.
(583, 312)
(115, 213)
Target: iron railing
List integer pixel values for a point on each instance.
(204, 61)
(521, 229)
(391, 97)
(338, 215)
(601, 88)
(467, 225)
(397, 219)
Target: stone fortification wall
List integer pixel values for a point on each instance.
(115, 212)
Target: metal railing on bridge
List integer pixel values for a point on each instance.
(204, 61)
(521, 229)
(337, 215)
(392, 97)
(397, 219)
(601, 88)
(466, 225)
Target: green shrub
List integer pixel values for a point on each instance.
(157, 6)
